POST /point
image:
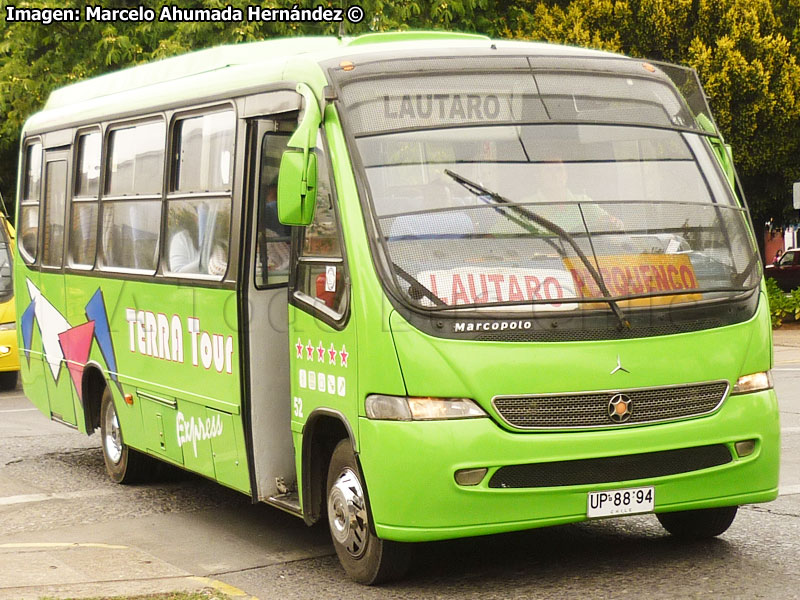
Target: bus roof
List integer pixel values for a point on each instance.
(245, 68)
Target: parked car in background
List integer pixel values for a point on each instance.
(786, 270)
(9, 357)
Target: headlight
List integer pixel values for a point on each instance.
(753, 383)
(7, 326)
(402, 408)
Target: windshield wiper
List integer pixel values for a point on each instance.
(416, 284)
(482, 192)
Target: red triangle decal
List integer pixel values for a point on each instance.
(76, 344)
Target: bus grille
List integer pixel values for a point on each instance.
(610, 469)
(591, 409)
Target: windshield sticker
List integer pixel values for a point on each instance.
(630, 275)
(479, 286)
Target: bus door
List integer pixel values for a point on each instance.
(59, 385)
(267, 317)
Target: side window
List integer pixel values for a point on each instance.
(199, 203)
(787, 259)
(273, 239)
(29, 204)
(321, 265)
(132, 201)
(83, 220)
(55, 204)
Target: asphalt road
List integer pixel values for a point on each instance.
(66, 530)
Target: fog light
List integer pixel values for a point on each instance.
(4, 350)
(470, 476)
(745, 447)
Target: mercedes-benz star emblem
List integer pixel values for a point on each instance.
(620, 408)
(619, 367)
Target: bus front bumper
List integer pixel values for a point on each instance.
(410, 469)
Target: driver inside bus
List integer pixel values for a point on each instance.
(572, 211)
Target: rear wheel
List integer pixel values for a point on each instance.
(365, 557)
(698, 524)
(123, 464)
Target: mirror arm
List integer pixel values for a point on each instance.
(305, 137)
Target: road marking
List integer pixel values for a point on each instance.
(789, 490)
(223, 587)
(28, 498)
(790, 429)
(40, 545)
(786, 369)
(14, 410)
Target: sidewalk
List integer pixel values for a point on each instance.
(787, 335)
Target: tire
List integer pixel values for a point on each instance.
(364, 556)
(123, 464)
(698, 524)
(8, 380)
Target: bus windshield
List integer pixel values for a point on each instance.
(646, 206)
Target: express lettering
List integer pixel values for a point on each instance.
(466, 107)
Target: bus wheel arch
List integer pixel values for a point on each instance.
(323, 430)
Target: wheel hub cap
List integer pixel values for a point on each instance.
(113, 439)
(347, 513)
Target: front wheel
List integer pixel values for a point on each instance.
(365, 557)
(123, 464)
(698, 524)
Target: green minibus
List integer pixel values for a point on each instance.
(417, 285)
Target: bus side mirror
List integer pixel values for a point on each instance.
(297, 188)
(297, 177)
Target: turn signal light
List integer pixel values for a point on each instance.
(129, 399)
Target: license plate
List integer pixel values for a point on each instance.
(611, 503)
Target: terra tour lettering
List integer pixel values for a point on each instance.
(468, 107)
(159, 336)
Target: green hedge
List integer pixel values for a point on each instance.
(781, 304)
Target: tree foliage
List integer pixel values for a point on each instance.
(745, 51)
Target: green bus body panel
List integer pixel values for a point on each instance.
(181, 367)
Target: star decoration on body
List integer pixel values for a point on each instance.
(320, 352)
(332, 355)
(343, 354)
(310, 351)
(299, 346)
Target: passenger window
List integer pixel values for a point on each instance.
(321, 265)
(198, 228)
(83, 220)
(203, 150)
(273, 239)
(29, 204)
(136, 160)
(131, 226)
(787, 259)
